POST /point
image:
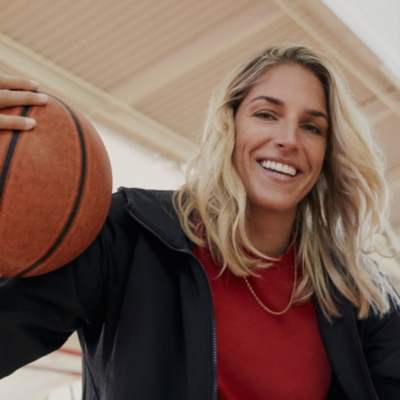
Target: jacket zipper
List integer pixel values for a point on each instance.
(363, 355)
(215, 388)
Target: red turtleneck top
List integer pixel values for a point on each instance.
(260, 355)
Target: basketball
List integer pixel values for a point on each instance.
(55, 189)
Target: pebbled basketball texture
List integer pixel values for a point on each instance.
(55, 189)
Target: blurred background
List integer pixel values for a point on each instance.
(143, 72)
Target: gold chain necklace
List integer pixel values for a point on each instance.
(264, 306)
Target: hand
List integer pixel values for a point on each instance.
(15, 91)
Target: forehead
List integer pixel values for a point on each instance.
(293, 83)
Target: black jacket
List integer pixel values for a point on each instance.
(142, 305)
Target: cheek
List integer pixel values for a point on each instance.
(322, 155)
(318, 166)
(317, 154)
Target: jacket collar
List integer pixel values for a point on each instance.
(154, 210)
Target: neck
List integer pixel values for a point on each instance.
(270, 231)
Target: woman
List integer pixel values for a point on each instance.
(258, 264)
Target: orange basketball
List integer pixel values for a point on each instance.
(55, 189)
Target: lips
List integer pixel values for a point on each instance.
(279, 167)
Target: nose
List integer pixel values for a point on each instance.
(287, 137)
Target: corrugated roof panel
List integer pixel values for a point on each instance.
(16, 17)
(106, 42)
(137, 56)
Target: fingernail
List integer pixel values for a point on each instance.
(43, 97)
(30, 122)
(35, 83)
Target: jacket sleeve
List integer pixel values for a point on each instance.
(38, 314)
(381, 343)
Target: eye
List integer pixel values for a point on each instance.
(265, 115)
(312, 128)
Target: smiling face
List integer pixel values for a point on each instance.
(281, 136)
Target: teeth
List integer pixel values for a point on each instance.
(286, 169)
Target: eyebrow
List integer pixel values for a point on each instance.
(270, 100)
(317, 114)
(280, 103)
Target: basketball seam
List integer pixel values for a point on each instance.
(8, 159)
(78, 197)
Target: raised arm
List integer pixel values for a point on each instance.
(38, 314)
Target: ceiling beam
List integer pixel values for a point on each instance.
(291, 8)
(211, 44)
(93, 102)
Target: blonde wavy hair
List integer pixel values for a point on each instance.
(337, 223)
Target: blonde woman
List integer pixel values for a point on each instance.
(251, 282)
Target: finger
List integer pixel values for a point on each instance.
(17, 83)
(10, 98)
(10, 122)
